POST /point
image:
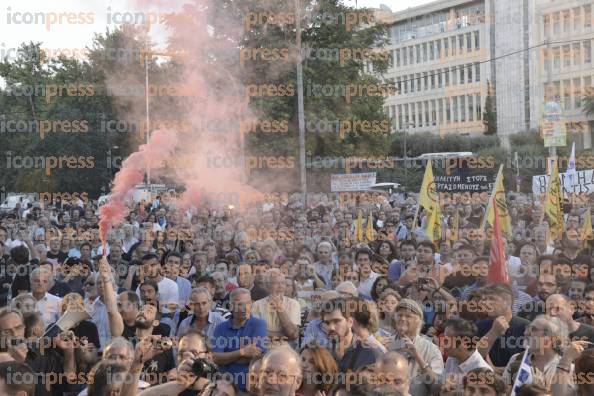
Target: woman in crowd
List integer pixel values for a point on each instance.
(319, 370)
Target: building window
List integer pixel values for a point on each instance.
(433, 112)
(566, 56)
(411, 55)
(446, 75)
(577, 93)
(587, 51)
(463, 108)
(439, 79)
(418, 58)
(419, 82)
(479, 109)
(461, 42)
(566, 94)
(470, 108)
(446, 43)
(547, 25)
(469, 73)
(556, 23)
(468, 42)
(587, 16)
(577, 13)
(397, 57)
(566, 19)
(546, 60)
(455, 108)
(461, 75)
(448, 112)
(453, 41)
(399, 116)
(440, 111)
(477, 72)
(424, 52)
(425, 81)
(431, 51)
(557, 58)
(438, 45)
(577, 54)
(406, 118)
(426, 111)
(477, 40)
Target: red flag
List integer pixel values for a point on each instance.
(497, 265)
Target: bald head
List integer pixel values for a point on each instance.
(560, 306)
(285, 363)
(395, 368)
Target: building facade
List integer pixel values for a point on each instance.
(439, 52)
(450, 54)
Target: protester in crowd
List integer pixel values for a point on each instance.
(202, 318)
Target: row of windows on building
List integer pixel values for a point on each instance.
(571, 91)
(461, 44)
(574, 54)
(437, 22)
(568, 21)
(439, 78)
(430, 113)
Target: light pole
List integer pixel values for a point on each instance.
(300, 110)
(406, 126)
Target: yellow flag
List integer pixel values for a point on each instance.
(433, 229)
(428, 193)
(429, 199)
(498, 197)
(552, 204)
(587, 227)
(369, 231)
(359, 226)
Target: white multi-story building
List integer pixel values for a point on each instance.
(564, 64)
(449, 53)
(439, 54)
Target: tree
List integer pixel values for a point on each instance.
(490, 113)
(588, 105)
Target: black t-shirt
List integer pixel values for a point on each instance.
(21, 282)
(154, 370)
(42, 364)
(87, 330)
(129, 332)
(60, 289)
(509, 343)
(584, 332)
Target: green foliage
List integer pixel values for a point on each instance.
(490, 113)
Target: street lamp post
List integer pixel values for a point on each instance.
(406, 126)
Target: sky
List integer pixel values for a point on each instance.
(74, 34)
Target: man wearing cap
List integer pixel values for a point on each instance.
(425, 363)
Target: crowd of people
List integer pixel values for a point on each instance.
(288, 296)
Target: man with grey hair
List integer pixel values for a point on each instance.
(324, 265)
(237, 340)
(282, 314)
(45, 303)
(203, 318)
(560, 306)
(394, 367)
(425, 363)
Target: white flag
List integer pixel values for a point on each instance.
(524, 374)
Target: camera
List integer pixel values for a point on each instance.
(203, 368)
(164, 344)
